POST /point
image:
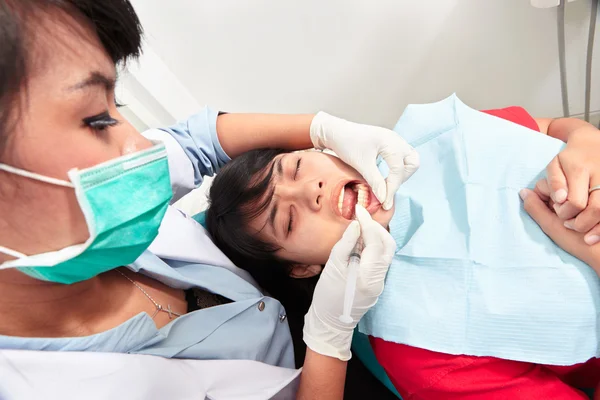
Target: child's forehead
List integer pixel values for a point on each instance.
(324, 151)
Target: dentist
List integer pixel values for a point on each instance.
(93, 259)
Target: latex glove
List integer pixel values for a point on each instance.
(571, 241)
(360, 145)
(570, 175)
(324, 333)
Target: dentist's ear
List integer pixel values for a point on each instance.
(305, 271)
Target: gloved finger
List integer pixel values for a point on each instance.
(542, 188)
(393, 182)
(402, 166)
(389, 245)
(412, 162)
(557, 181)
(382, 252)
(376, 256)
(578, 181)
(588, 218)
(368, 227)
(379, 244)
(342, 249)
(593, 236)
(374, 179)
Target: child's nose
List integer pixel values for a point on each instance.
(313, 194)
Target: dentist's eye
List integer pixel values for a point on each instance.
(297, 168)
(100, 122)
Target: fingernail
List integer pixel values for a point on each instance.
(592, 239)
(523, 194)
(569, 225)
(556, 207)
(560, 196)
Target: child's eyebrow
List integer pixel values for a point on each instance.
(273, 214)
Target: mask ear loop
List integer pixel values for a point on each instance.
(11, 253)
(37, 177)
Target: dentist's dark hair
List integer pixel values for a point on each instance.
(114, 21)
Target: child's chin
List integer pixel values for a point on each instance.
(383, 217)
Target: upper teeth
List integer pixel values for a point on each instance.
(341, 199)
(362, 191)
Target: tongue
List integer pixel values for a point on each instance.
(350, 199)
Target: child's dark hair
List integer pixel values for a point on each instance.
(241, 191)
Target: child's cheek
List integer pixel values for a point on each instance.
(384, 217)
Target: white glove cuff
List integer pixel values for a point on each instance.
(325, 349)
(326, 340)
(318, 133)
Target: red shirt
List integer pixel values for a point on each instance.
(420, 374)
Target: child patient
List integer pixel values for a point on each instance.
(478, 302)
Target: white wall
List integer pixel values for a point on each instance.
(364, 59)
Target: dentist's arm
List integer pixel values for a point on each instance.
(239, 133)
(322, 377)
(328, 339)
(356, 144)
(202, 144)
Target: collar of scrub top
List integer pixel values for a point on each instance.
(183, 239)
(185, 275)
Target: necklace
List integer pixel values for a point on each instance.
(159, 307)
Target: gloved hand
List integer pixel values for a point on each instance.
(324, 333)
(359, 145)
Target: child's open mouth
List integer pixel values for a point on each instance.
(354, 193)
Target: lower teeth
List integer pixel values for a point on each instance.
(362, 193)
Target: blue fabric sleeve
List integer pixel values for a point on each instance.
(198, 138)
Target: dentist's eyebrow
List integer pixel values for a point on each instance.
(95, 79)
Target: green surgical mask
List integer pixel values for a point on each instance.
(123, 200)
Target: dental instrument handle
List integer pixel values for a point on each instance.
(353, 265)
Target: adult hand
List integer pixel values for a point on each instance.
(570, 176)
(571, 241)
(324, 333)
(360, 145)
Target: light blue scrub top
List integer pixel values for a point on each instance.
(252, 327)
